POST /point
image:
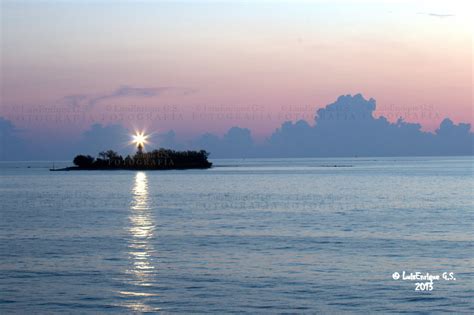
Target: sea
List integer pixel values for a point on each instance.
(286, 236)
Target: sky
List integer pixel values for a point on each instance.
(206, 66)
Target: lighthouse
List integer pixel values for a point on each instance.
(139, 148)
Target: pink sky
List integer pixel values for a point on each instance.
(228, 64)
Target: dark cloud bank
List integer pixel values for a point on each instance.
(345, 128)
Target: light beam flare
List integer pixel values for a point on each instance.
(140, 139)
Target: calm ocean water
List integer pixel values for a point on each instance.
(256, 236)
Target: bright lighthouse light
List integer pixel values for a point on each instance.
(140, 139)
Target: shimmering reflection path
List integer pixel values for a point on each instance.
(142, 227)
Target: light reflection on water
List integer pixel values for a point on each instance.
(141, 230)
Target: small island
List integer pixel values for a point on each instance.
(162, 159)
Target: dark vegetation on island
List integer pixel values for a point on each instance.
(162, 159)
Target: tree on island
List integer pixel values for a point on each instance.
(109, 155)
(83, 160)
(156, 159)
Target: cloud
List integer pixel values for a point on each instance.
(237, 142)
(124, 91)
(344, 128)
(12, 145)
(437, 15)
(168, 140)
(348, 127)
(102, 137)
